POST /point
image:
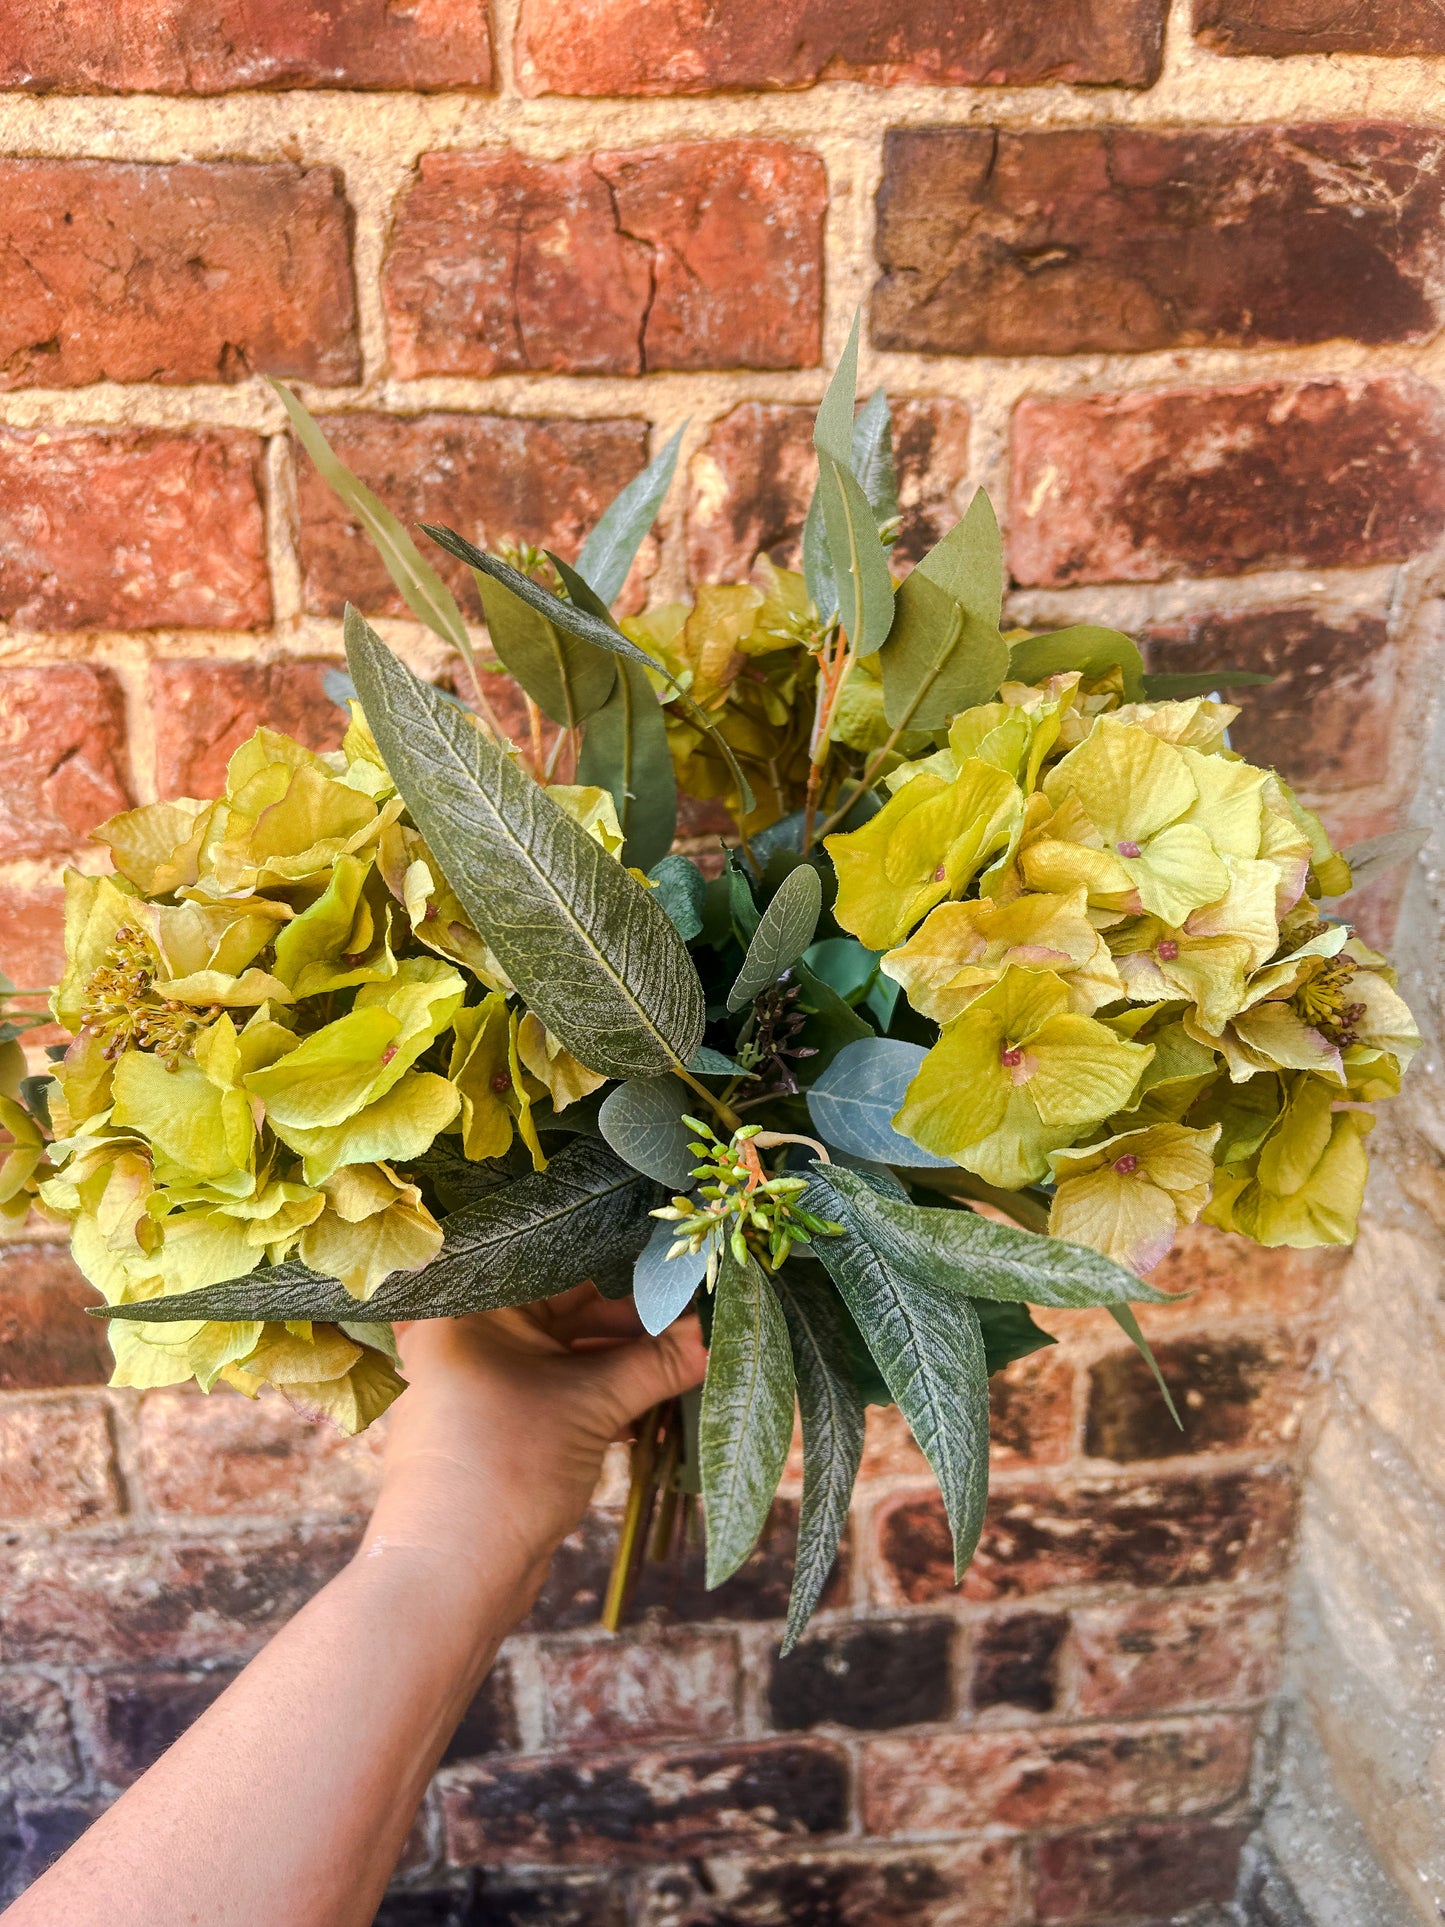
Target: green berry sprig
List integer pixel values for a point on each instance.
(737, 1200)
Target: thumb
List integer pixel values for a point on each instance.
(638, 1376)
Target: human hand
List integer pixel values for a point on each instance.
(501, 1434)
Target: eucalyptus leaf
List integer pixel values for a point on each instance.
(568, 678)
(832, 1411)
(784, 932)
(1168, 687)
(663, 1287)
(642, 1121)
(421, 588)
(1125, 1318)
(539, 1235)
(681, 889)
(925, 1336)
(1376, 856)
(618, 532)
(1086, 647)
(844, 963)
(854, 1102)
(944, 652)
(580, 593)
(595, 958)
(747, 1413)
(833, 423)
(870, 457)
(857, 556)
(625, 751)
(339, 687)
(706, 1062)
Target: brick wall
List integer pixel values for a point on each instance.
(1172, 290)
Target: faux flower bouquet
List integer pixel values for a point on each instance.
(434, 1023)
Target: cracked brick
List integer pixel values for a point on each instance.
(62, 748)
(1320, 26)
(204, 710)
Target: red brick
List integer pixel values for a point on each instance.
(196, 271)
(46, 1339)
(1326, 722)
(1226, 1276)
(132, 1717)
(1171, 1655)
(62, 749)
(1016, 1662)
(37, 1754)
(543, 480)
(1031, 1411)
(681, 47)
(1033, 1777)
(867, 1677)
(975, 1884)
(889, 1448)
(618, 1808)
(218, 1455)
(1235, 1391)
(223, 46)
(1152, 1869)
(531, 1895)
(1123, 239)
(1178, 1531)
(1213, 481)
(32, 944)
(57, 1462)
(750, 484)
(136, 529)
(609, 264)
(489, 1724)
(173, 1601)
(203, 710)
(1320, 26)
(672, 1686)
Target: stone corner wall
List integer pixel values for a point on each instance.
(1169, 283)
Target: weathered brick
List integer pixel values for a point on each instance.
(629, 47)
(514, 1899)
(194, 271)
(134, 529)
(1032, 1777)
(869, 1677)
(889, 1448)
(187, 1600)
(976, 1884)
(489, 1724)
(1213, 481)
(223, 46)
(62, 756)
(1226, 1276)
(1326, 721)
(1125, 239)
(1234, 1391)
(39, 1833)
(671, 1686)
(46, 1339)
(1087, 1532)
(749, 485)
(1320, 27)
(204, 710)
(543, 480)
(1156, 1869)
(130, 1718)
(1031, 1411)
(1168, 1655)
(611, 1808)
(37, 1753)
(218, 1455)
(1016, 1660)
(32, 950)
(609, 263)
(57, 1462)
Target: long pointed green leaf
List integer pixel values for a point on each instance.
(625, 750)
(1125, 1318)
(832, 1411)
(567, 678)
(944, 652)
(833, 424)
(747, 1414)
(871, 457)
(784, 932)
(595, 958)
(857, 556)
(540, 1234)
(1168, 687)
(618, 533)
(421, 588)
(925, 1337)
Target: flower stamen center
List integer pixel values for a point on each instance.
(1127, 1165)
(1128, 847)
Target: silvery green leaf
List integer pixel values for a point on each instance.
(944, 652)
(618, 533)
(832, 1411)
(421, 588)
(642, 1121)
(784, 932)
(568, 678)
(1084, 646)
(854, 1102)
(339, 687)
(663, 1287)
(833, 424)
(843, 963)
(818, 576)
(925, 1337)
(681, 889)
(871, 457)
(539, 1235)
(1378, 855)
(595, 958)
(707, 1062)
(857, 556)
(747, 1414)
(625, 751)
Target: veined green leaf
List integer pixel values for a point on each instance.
(857, 556)
(681, 890)
(540, 1234)
(618, 533)
(583, 941)
(580, 592)
(567, 678)
(784, 932)
(747, 1414)
(870, 457)
(925, 1337)
(421, 588)
(832, 1411)
(625, 751)
(863, 443)
(1084, 646)
(642, 1121)
(833, 424)
(944, 652)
